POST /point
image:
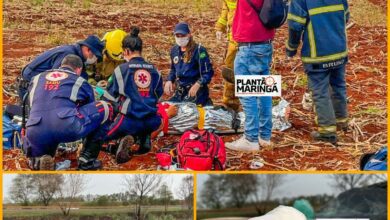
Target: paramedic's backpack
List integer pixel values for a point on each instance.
(374, 161)
(201, 150)
(11, 134)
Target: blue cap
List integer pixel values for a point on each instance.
(95, 45)
(182, 28)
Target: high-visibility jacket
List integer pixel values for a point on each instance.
(323, 25)
(225, 20)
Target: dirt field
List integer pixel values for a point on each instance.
(30, 27)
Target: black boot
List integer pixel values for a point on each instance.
(326, 137)
(122, 154)
(342, 126)
(88, 155)
(145, 144)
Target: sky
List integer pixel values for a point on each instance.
(295, 185)
(102, 184)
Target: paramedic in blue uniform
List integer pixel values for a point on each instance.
(135, 89)
(324, 55)
(89, 50)
(63, 109)
(191, 69)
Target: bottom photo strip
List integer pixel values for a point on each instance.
(173, 196)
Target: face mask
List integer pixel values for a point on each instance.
(182, 41)
(91, 60)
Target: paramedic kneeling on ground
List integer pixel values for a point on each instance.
(190, 67)
(63, 109)
(137, 87)
(88, 50)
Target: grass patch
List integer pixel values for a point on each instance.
(57, 38)
(371, 110)
(226, 213)
(365, 13)
(302, 80)
(54, 211)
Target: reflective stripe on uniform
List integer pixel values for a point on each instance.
(75, 89)
(326, 9)
(325, 58)
(312, 41)
(231, 4)
(327, 129)
(222, 21)
(32, 92)
(109, 96)
(106, 111)
(341, 120)
(119, 79)
(125, 106)
(296, 18)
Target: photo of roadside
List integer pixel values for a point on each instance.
(292, 196)
(85, 113)
(97, 196)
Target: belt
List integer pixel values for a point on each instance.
(254, 43)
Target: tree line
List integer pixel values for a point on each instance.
(66, 191)
(258, 191)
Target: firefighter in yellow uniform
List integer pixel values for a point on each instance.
(223, 26)
(112, 57)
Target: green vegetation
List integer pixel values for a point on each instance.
(371, 110)
(117, 212)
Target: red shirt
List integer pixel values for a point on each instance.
(247, 26)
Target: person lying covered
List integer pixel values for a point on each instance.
(63, 109)
(191, 69)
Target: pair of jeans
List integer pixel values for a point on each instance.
(329, 91)
(255, 60)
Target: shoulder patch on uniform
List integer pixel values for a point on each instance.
(202, 55)
(142, 78)
(176, 60)
(56, 76)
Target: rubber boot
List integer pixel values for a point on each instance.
(88, 155)
(326, 137)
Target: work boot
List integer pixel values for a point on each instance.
(89, 154)
(145, 144)
(122, 154)
(342, 126)
(93, 164)
(326, 137)
(45, 162)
